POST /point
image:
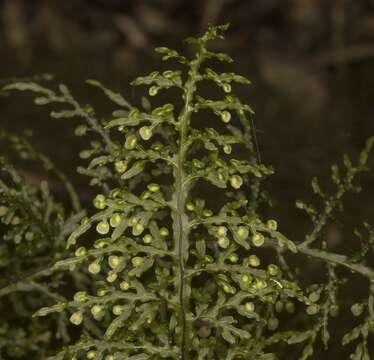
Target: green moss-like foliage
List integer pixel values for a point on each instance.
(33, 228)
(176, 275)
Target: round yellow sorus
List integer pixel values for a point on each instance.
(207, 213)
(233, 258)
(85, 220)
(130, 142)
(249, 306)
(157, 146)
(145, 195)
(102, 227)
(120, 166)
(226, 88)
(137, 261)
(145, 132)
(112, 277)
(99, 202)
(115, 220)
(80, 252)
(114, 261)
(76, 318)
(91, 354)
(312, 309)
(137, 229)
(258, 239)
(102, 292)
(272, 225)
(242, 232)
(273, 270)
(357, 309)
(229, 289)
(225, 116)
(97, 311)
(198, 164)
(164, 232)
(221, 231)
(227, 149)
(133, 221)
(117, 310)
(223, 242)
(153, 90)
(124, 285)
(236, 181)
(260, 284)
(168, 74)
(80, 296)
(100, 244)
(190, 206)
(153, 187)
(254, 260)
(314, 296)
(221, 177)
(147, 239)
(246, 278)
(94, 267)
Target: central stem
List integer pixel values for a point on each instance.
(180, 218)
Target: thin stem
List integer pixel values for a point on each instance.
(48, 165)
(251, 143)
(330, 206)
(70, 189)
(94, 125)
(180, 218)
(24, 281)
(337, 259)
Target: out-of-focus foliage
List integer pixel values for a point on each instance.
(33, 228)
(177, 275)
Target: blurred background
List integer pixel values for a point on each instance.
(311, 63)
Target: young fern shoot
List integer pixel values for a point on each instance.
(177, 275)
(175, 279)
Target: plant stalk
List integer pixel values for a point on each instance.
(180, 218)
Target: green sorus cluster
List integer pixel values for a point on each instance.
(176, 276)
